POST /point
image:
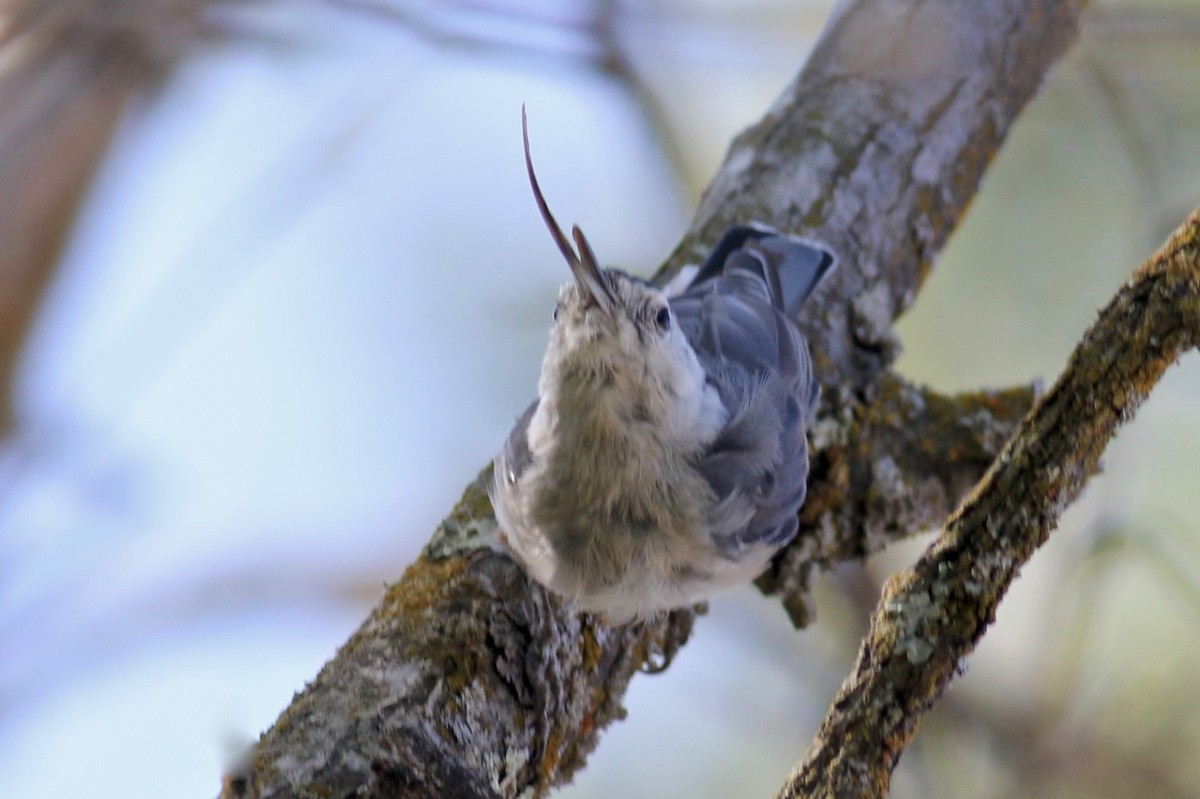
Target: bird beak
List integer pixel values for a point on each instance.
(583, 264)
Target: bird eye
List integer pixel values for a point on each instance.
(556, 312)
(663, 319)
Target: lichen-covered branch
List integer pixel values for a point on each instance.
(468, 680)
(932, 615)
(900, 464)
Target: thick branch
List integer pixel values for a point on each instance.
(451, 677)
(469, 678)
(931, 616)
(877, 148)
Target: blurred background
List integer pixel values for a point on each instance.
(307, 293)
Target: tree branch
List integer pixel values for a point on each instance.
(468, 680)
(900, 465)
(931, 616)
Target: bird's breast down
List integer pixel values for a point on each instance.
(631, 525)
(637, 541)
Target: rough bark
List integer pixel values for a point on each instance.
(898, 465)
(468, 680)
(931, 615)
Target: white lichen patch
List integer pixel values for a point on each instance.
(872, 321)
(912, 613)
(453, 537)
(393, 682)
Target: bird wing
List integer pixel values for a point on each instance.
(515, 457)
(790, 266)
(760, 366)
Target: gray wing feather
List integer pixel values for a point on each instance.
(792, 266)
(516, 457)
(760, 366)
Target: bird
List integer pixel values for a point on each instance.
(665, 457)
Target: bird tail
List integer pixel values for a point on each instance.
(791, 266)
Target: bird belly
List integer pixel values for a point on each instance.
(629, 567)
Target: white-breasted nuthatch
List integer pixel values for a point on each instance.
(665, 456)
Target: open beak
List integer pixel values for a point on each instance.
(583, 264)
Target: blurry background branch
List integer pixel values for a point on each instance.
(597, 30)
(931, 616)
(469, 681)
(68, 70)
